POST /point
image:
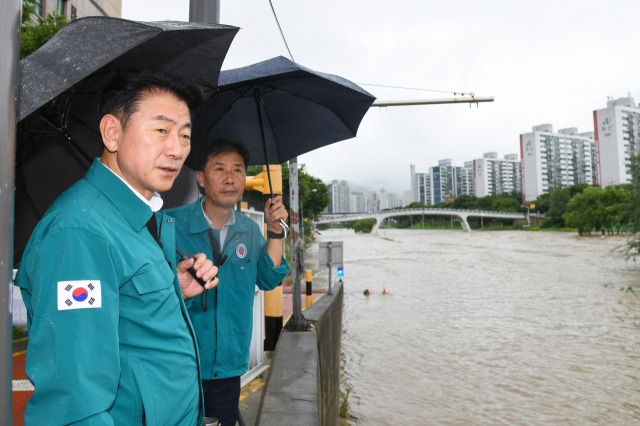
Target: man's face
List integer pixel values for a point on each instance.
(155, 143)
(223, 179)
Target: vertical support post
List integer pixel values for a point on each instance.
(204, 11)
(297, 322)
(9, 49)
(272, 317)
(309, 289)
(330, 245)
(272, 298)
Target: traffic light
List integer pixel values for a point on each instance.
(260, 182)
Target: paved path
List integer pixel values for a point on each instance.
(250, 397)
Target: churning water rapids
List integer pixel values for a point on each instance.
(489, 328)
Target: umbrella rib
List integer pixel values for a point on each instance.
(62, 130)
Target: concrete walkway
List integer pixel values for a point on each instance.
(249, 397)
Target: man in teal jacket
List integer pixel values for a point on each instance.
(109, 339)
(223, 317)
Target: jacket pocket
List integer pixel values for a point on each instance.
(148, 409)
(158, 277)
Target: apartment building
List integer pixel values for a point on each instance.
(551, 159)
(80, 8)
(495, 176)
(617, 138)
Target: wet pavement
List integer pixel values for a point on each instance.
(249, 397)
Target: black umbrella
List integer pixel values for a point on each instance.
(279, 110)
(60, 86)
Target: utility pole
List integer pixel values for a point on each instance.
(10, 12)
(297, 322)
(204, 11)
(185, 189)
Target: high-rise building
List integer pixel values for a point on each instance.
(423, 181)
(80, 8)
(373, 203)
(617, 138)
(388, 200)
(556, 159)
(495, 176)
(448, 182)
(407, 198)
(464, 179)
(442, 181)
(415, 195)
(340, 195)
(358, 203)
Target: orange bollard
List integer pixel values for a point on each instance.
(366, 292)
(384, 288)
(309, 298)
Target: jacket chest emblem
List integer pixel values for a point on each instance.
(241, 251)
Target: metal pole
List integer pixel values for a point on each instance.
(9, 51)
(330, 245)
(204, 11)
(297, 322)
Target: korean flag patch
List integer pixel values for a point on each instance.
(79, 295)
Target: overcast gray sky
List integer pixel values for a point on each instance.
(549, 61)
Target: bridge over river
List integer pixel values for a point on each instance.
(460, 215)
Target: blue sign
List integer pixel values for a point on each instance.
(340, 272)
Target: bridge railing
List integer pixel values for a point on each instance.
(347, 216)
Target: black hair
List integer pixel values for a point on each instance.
(123, 94)
(221, 146)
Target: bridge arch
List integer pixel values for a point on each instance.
(460, 215)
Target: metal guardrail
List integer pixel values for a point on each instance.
(338, 217)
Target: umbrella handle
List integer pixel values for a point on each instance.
(285, 227)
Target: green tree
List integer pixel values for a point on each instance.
(502, 204)
(364, 225)
(630, 211)
(557, 207)
(586, 211)
(33, 35)
(465, 202)
(314, 194)
(416, 205)
(543, 202)
(484, 203)
(615, 198)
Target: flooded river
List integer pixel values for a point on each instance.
(489, 328)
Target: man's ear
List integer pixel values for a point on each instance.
(200, 177)
(111, 130)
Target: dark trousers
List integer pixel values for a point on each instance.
(221, 398)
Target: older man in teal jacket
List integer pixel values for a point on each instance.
(110, 342)
(223, 317)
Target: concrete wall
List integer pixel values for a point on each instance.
(303, 385)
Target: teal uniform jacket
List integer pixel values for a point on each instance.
(224, 330)
(109, 335)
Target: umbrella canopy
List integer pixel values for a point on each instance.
(279, 110)
(60, 86)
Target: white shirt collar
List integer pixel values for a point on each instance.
(231, 220)
(156, 201)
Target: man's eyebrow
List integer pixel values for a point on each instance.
(161, 117)
(220, 163)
